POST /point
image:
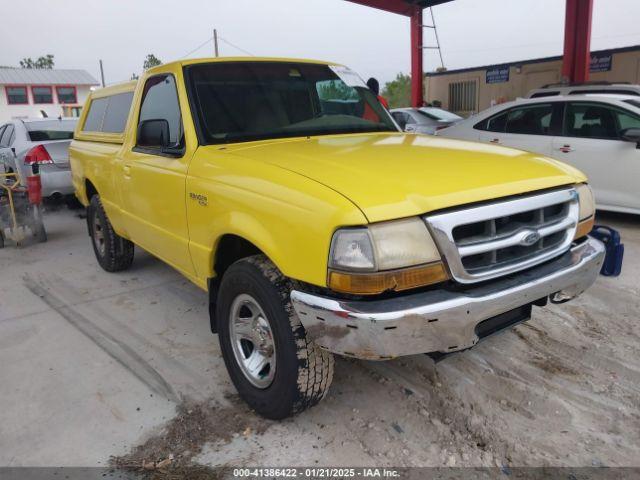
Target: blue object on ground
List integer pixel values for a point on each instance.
(612, 265)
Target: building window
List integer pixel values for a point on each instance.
(70, 111)
(67, 94)
(462, 96)
(42, 94)
(17, 95)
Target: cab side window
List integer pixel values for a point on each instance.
(160, 116)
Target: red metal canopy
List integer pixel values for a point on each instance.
(576, 60)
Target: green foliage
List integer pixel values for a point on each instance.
(151, 61)
(45, 62)
(336, 90)
(398, 91)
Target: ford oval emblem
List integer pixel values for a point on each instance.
(530, 238)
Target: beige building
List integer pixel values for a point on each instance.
(471, 90)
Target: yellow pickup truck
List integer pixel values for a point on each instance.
(286, 191)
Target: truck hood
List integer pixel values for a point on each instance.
(394, 175)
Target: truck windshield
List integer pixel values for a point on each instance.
(245, 101)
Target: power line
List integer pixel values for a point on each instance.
(235, 46)
(198, 47)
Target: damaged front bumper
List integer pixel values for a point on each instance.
(442, 320)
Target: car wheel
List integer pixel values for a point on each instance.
(113, 252)
(274, 367)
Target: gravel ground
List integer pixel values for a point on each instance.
(102, 368)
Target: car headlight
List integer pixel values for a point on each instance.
(587, 210)
(395, 255)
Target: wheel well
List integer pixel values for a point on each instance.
(90, 190)
(231, 248)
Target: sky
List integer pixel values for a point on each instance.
(121, 33)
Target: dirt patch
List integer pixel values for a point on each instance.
(171, 450)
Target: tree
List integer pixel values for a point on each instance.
(398, 91)
(151, 61)
(134, 76)
(45, 62)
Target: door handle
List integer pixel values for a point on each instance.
(566, 149)
(127, 170)
(495, 141)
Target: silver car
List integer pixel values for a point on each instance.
(424, 120)
(43, 141)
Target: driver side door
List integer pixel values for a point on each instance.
(153, 178)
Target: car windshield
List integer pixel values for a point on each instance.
(439, 114)
(244, 101)
(43, 130)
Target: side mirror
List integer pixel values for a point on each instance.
(153, 133)
(631, 135)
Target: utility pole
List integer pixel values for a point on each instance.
(215, 42)
(101, 73)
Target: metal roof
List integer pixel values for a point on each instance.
(401, 7)
(41, 76)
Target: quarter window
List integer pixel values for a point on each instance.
(17, 95)
(160, 102)
(108, 114)
(67, 94)
(42, 94)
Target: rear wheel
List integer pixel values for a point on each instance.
(275, 369)
(113, 252)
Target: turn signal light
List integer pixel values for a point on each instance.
(584, 227)
(394, 280)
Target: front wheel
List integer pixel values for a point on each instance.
(274, 367)
(113, 252)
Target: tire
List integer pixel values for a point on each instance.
(303, 371)
(113, 252)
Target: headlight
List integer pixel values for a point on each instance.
(395, 256)
(587, 210)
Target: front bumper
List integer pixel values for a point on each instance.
(440, 320)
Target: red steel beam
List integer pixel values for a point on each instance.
(417, 71)
(577, 41)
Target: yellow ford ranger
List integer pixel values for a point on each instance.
(286, 191)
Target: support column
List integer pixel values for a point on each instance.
(577, 41)
(417, 72)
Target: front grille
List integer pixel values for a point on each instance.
(488, 241)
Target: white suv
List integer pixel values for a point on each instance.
(585, 88)
(598, 134)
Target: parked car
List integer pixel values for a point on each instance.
(593, 88)
(424, 120)
(284, 189)
(599, 134)
(42, 141)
